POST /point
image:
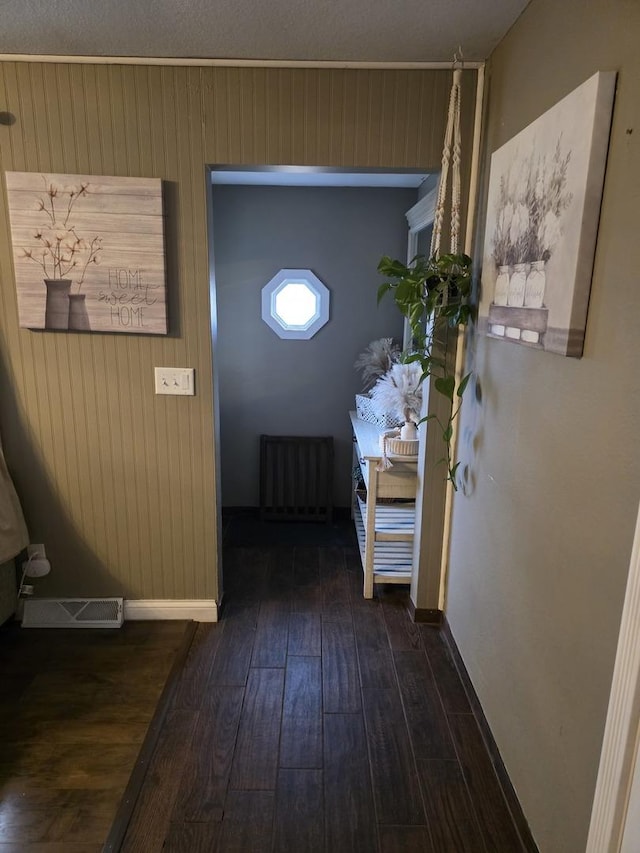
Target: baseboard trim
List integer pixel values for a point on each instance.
(199, 610)
(428, 615)
(508, 791)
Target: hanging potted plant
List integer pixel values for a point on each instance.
(433, 293)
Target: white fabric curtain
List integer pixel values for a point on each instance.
(13, 530)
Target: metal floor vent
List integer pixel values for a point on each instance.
(73, 613)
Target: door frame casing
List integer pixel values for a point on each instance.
(615, 819)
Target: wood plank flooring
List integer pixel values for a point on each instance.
(309, 720)
(75, 707)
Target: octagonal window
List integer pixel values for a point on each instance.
(295, 304)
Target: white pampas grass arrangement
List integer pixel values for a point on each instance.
(399, 392)
(376, 360)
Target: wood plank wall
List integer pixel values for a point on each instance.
(118, 483)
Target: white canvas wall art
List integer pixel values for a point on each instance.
(545, 189)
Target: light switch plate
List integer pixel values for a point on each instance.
(175, 380)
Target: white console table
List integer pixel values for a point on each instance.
(385, 529)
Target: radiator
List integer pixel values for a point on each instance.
(296, 478)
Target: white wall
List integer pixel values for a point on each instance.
(541, 544)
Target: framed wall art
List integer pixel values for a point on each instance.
(545, 188)
(88, 252)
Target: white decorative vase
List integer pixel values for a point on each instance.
(501, 290)
(409, 432)
(516, 286)
(535, 285)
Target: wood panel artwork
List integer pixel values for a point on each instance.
(88, 252)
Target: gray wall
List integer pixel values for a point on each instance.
(541, 547)
(286, 387)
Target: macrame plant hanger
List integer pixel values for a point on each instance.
(450, 159)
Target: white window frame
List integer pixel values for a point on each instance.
(270, 292)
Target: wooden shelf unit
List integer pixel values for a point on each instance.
(385, 530)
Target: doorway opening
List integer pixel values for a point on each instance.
(335, 224)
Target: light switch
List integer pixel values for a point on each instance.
(175, 380)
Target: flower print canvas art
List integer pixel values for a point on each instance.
(88, 252)
(543, 207)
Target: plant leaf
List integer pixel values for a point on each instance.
(463, 384)
(445, 385)
(384, 288)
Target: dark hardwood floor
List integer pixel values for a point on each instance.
(75, 707)
(308, 720)
(312, 721)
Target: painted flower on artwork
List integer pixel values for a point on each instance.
(529, 209)
(58, 248)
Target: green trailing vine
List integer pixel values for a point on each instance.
(434, 295)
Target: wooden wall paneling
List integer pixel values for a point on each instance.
(137, 516)
(75, 126)
(319, 124)
(190, 300)
(348, 110)
(236, 148)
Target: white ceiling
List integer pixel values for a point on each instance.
(313, 30)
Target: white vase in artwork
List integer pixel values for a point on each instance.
(501, 291)
(516, 286)
(535, 285)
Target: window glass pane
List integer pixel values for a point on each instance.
(296, 304)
